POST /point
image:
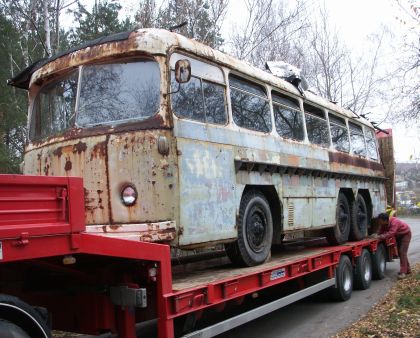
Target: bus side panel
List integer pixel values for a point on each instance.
(207, 192)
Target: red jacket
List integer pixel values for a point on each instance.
(396, 227)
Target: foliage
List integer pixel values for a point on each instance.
(102, 20)
(12, 103)
(197, 19)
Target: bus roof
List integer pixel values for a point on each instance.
(158, 42)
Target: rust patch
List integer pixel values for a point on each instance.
(98, 150)
(68, 165)
(354, 161)
(46, 169)
(58, 152)
(79, 147)
(155, 122)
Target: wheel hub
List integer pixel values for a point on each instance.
(256, 229)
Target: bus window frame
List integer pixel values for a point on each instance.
(364, 140)
(278, 92)
(315, 115)
(201, 78)
(345, 125)
(268, 98)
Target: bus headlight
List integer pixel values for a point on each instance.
(129, 195)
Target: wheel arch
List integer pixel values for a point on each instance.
(276, 207)
(348, 192)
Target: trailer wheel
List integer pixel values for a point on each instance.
(343, 280)
(359, 219)
(20, 314)
(340, 232)
(255, 231)
(10, 330)
(363, 271)
(379, 262)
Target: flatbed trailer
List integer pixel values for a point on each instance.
(54, 274)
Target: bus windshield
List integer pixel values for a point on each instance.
(106, 94)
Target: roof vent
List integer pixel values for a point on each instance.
(289, 73)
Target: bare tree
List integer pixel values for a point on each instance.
(270, 32)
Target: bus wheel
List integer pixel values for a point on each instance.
(363, 271)
(255, 231)
(379, 263)
(343, 280)
(359, 219)
(340, 232)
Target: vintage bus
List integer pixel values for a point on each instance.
(182, 144)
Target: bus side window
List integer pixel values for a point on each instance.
(188, 102)
(199, 100)
(316, 126)
(372, 151)
(339, 133)
(250, 106)
(287, 117)
(214, 102)
(357, 139)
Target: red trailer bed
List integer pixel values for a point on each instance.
(92, 283)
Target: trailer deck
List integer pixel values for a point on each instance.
(51, 236)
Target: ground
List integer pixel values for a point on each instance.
(396, 315)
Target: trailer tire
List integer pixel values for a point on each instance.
(340, 232)
(379, 262)
(255, 231)
(359, 219)
(343, 280)
(363, 271)
(24, 316)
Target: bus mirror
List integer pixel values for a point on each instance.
(182, 71)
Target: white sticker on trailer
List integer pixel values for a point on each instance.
(279, 273)
(1, 251)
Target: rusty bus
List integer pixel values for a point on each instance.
(182, 144)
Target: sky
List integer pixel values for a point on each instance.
(354, 20)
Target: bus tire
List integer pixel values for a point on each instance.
(343, 280)
(379, 262)
(340, 232)
(8, 329)
(24, 316)
(363, 271)
(255, 231)
(359, 219)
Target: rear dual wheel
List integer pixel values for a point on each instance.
(359, 219)
(340, 232)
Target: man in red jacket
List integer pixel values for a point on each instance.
(392, 226)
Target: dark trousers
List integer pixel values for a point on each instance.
(403, 242)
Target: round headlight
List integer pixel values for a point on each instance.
(129, 195)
